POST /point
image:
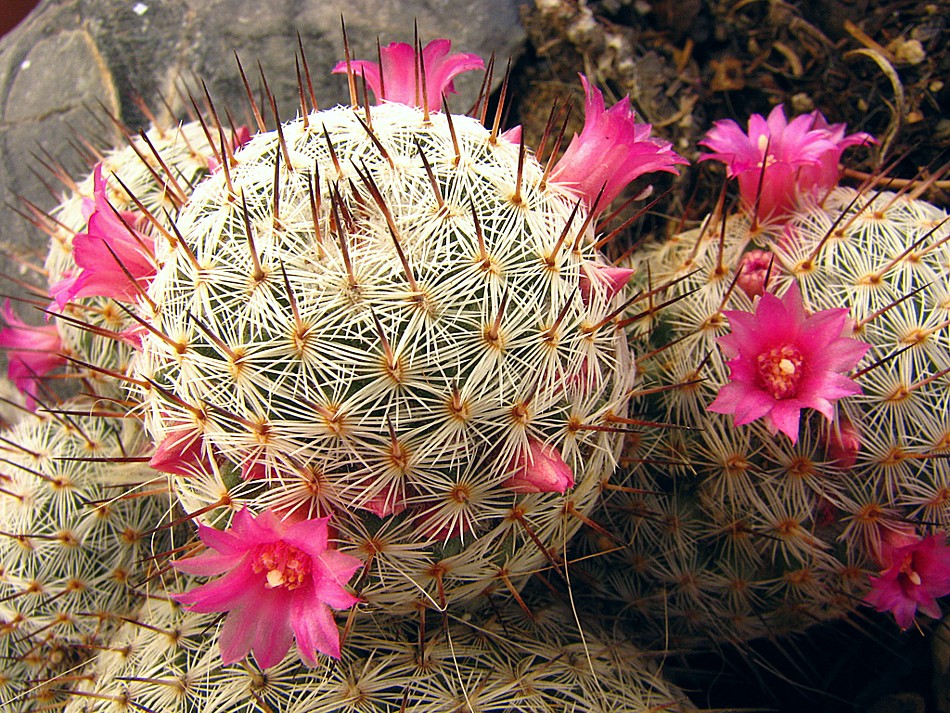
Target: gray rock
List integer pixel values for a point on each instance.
(70, 56)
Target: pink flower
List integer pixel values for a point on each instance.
(799, 157)
(32, 352)
(611, 151)
(279, 582)
(539, 470)
(784, 360)
(917, 573)
(109, 249)
(820, 179)
(398, 80)
(610, 280)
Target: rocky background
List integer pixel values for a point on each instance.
(881, 66)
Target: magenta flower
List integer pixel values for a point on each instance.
(799, 158)
(783, 360)
(32, 353)
(611, 151)
(399, 78)
(280, 581)
(917, 573)
(107, 254)
(540, 469)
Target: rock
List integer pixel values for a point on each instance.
(71, 56)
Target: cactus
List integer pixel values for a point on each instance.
(739, 532)
(505, 662)
(74, 545)
(383, 318)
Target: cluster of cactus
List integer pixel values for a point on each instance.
(377, 357)
(733, 532)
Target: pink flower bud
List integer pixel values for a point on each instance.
(539, 470)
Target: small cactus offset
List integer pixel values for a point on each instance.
(760, 516)
(78, 513)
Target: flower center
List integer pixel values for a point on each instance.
(907, 570)
(283, 565)
(781, 370)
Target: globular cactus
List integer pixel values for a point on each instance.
(395, 317)
(740, 531)
(81, 518)
(502, 663)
